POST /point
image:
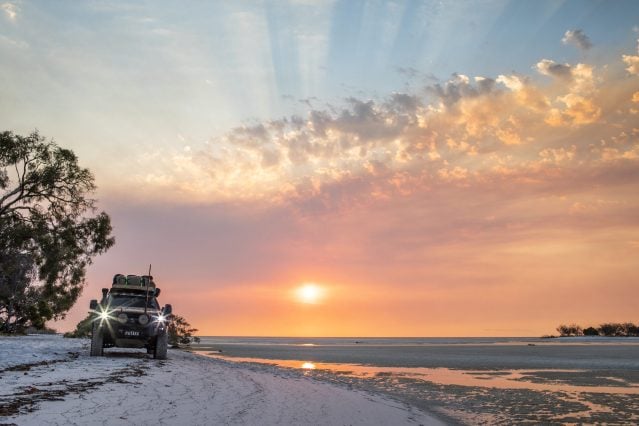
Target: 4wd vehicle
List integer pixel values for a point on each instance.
(129, 316)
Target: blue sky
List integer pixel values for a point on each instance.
(199, 68)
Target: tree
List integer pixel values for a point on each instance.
(49, 230)
(619, 329)
(591, 331)
(180, 332)
(629, 329)
(570, 330)
(611, 329)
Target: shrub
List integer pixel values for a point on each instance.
(180, 332)
(83, 329)
(591, 331)
(570, 330)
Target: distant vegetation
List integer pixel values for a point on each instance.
(83, 329)
(611, 329)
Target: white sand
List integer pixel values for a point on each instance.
(127, 387)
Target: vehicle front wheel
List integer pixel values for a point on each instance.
(97, 341)
(161, 346)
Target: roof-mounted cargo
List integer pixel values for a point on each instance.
(133, 282)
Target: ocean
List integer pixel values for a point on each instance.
(465, 380)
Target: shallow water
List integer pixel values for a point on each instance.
(464, 353)
(472, 380)
(503, 379)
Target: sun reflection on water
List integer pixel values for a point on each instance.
(499, 379)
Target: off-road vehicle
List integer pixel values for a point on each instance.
(129, 316)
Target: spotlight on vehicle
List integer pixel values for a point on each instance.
(143, 319)
(161, 319)
(122, 318)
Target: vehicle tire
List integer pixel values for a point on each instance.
(161, 346)
(97, 341)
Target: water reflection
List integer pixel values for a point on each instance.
(538, 380)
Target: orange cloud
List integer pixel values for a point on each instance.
(477, 124)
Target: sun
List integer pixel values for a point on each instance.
(310, 293)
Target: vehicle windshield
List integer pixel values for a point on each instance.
(131, 301)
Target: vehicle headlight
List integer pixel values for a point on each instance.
(104, 315)
(161, 319)
(143, 319)
(122, 318)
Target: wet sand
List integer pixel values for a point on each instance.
(546, 382)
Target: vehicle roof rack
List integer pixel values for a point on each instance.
(133, 282)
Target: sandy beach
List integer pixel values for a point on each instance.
(48, 380)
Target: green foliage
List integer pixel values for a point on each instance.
(180, 332)
(17, 270)
(83, 328)
(48, 235)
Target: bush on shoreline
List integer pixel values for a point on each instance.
(181, 332)
(609, 329)
(82, 329)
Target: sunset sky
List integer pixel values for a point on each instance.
(425, 168)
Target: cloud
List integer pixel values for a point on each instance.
(632, 61)
(551, 68)
(577, 38)
(10, 9)
(461, 86)
(558, 155)
(578, 106)
(633, 64)
(466, 132)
